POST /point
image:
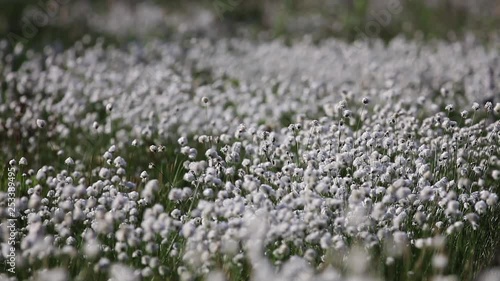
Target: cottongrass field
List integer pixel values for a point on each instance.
(237, 160)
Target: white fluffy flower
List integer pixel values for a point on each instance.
(41, 123)
(104, 173)
(480, 207)
(69, 161)
(23, 161)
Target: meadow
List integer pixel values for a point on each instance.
(250, 140)
(239, 160)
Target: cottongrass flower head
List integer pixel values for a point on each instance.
(290, 182)
(41, 123)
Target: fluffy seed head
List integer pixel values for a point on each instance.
(41, 123)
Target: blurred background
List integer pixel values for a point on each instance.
(39, 22)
